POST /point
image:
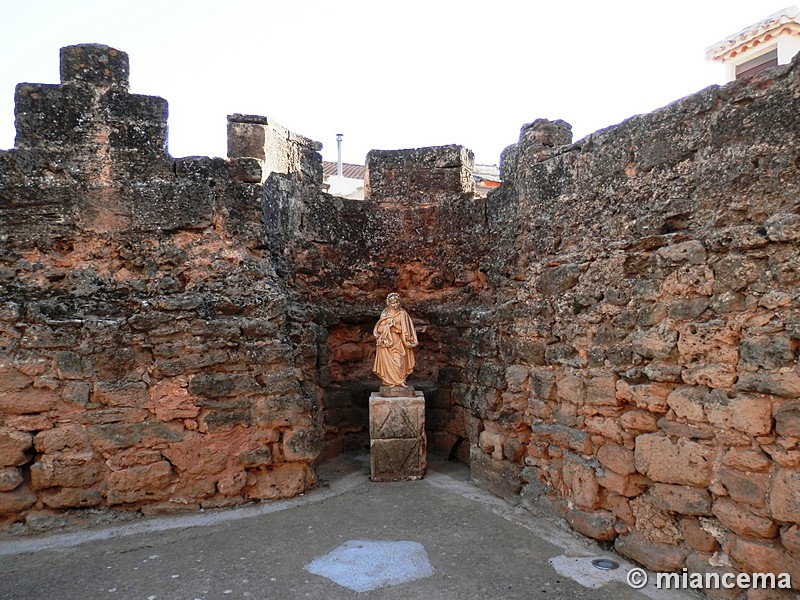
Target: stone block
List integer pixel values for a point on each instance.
(68, 469)
(748, 413)
(601, 390)
(417, 174)
(140, 483)
(787, 420)
(281, 411)
(220, 385)
(563, 436)
(67, 497)
(648, 396)
(17, 500)
(743, 522)
(747, 459)
(762, 556)
(783, 227)
(682, 499)
(13, 447)
(12, 380)
(501, 477)
(697, 537)
(617, 458)
(639, 421)
(784, 495)
(682, 462)
(687, 402)
(748, 488)
(391, 418)
(27, 401)
(397, 459)
(95, 64)
(10, 478)
(579, 476)
(260, 457)
(284, 481)
(598, 524)
(790, 537)
(302, 444)
(656, 556)
(121, 394)
(629, 486)
(785, 384)
(66, 437)
(398, 444)
(699, 563)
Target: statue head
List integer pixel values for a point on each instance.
(393, 300)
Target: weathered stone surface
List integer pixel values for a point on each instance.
(10, 478)
(597, 524)
(501, 477)
(625, 485)
(398, 444)
(68, 469)
(748, 488)
(762, 556)
(683, 462)
(750, 414)
(784, 495)
(697, 537)
(747, 459)
(743, 522)
(14, 446)
(579, 476)
(69, 437)
(29, 400)
(790, 537)
(67, 497)
(653, 555)
(17, 500)
(302, 444)
(681, 499)
(392, 418)
(143, 482)
(787, 420)
(785, 384)
(617, 458)
(284, 481)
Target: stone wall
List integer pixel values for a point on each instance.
(638, 365)
(421, 231)
(612, 334)
(149, 358)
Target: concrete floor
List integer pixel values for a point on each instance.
(479, 546)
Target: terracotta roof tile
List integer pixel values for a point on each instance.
(348, 170)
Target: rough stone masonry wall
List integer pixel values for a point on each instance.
(421, 232)
(638, 365)
(148, 356)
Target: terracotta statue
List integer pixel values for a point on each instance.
(396, 338)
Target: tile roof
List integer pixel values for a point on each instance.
(787, 19)
(348, 170)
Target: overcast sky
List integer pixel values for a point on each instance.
(387, 75)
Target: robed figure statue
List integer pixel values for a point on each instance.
(396, 339)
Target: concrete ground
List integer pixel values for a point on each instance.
(479, 546)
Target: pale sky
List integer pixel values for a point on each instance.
(388, 75)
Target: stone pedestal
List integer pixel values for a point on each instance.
(397, 437)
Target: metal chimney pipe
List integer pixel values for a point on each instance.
(339, 164)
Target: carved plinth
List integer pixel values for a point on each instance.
(397, 437)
